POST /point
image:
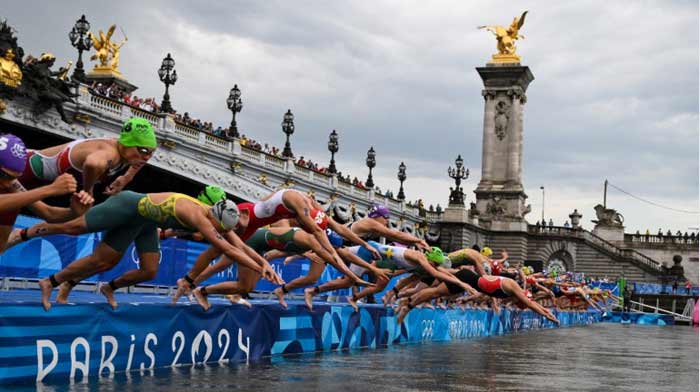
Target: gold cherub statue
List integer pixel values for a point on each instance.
(506, 40)
(107, 51)
(10, 73)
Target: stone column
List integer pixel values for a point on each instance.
(500, 199)
(487, 150)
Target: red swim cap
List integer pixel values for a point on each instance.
(320, 218)
(496, 268)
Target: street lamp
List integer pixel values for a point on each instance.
(458, 174)
(402, 177)
(235, 104)
(333, 148)
(168, 78)
(542, 187)
(80, 40)
(288, 129)
(371, 162)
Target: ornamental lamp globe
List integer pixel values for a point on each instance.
(82, 25)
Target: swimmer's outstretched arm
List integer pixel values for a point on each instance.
(512, 288)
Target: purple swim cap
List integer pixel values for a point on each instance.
(378, 210)
(13, 154)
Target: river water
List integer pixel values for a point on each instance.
(600, 357)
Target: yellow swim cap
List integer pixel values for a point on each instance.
(486, 251)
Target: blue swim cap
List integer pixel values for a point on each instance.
(334, 238)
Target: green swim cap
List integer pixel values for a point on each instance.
(138, 132)
(435, 255)
(211, 194)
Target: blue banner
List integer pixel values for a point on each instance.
(639, 318)
(87, 339)
(41, 257)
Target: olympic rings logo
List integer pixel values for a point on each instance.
(428, 326)
(137, 261)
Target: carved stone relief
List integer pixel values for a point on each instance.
(501, 119)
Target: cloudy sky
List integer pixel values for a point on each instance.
(615, 93)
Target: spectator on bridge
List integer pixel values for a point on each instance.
(675, 286)
(688, 287)
(438, 209)
(551, 222)
(566, 224)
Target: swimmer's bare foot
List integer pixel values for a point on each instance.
(402, 313)
(63, 292)
(46, 288)
(109, 294)
(353, 302)
(237, 299)
(201, 299)
(280, 296)
(183, 288)
(386, 299)
(14, 238)
(309, 298)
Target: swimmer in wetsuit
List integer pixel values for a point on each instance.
(283, 204)
(208, 196)
(394, 258)
(14, 196)
(265, 241)
(95, 160)
(134, 217)
(494, 286)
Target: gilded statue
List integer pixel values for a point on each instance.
(506, 38)
(63, 72)
(10, 72)
(107, 52)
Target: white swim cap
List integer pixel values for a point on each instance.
(226, 213)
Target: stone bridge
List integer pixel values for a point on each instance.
(189, 153)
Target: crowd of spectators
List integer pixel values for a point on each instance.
(113, 91)
(693, 236)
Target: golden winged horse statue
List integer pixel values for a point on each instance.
(506, 38)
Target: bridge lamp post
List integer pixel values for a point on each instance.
(333, 148)
(288, 129)
(81, 41)
(542, 187)
(235, 104)
(402, 177)
(168, 78)
(458, 174)
(371, 162)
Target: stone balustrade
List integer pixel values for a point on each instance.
(655, 239)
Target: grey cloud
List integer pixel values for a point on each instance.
(615, 95)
